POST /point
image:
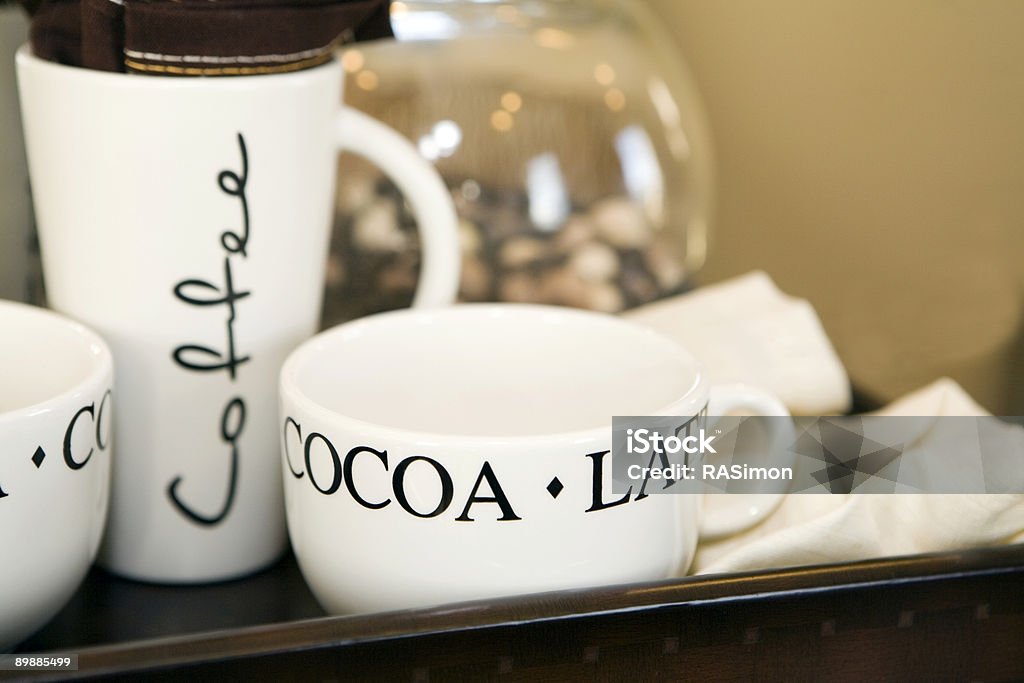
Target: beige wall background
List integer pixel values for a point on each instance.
(870, 157)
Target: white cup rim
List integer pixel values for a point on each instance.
(102, 365)
(291, 389)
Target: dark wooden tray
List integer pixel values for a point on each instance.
(950, 616)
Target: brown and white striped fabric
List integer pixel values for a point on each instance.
(201, 37)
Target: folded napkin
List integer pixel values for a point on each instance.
(817, 529)
(746, 330)
(201, 37)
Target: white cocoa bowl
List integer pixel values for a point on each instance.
(56, 380)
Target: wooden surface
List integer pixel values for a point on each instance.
(957, 616)
(109, 610)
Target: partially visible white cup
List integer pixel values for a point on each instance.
(55, 439)
(463, 453)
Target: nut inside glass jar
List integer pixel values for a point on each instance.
(605, 257)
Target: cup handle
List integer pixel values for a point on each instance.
(730, 514)
(422, 186)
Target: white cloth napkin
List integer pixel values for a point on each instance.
(746, 330)
(817, 529)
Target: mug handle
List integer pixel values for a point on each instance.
(423, 188)
(734, 513)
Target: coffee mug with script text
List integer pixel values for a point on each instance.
(187, 221)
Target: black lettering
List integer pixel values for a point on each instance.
(69, 458)
(181, 290)
(447, 486)
(190, 356)
(209, 359)
(498, 496)
(233, 184)
(350, 483)
(229, 433)
(335, 461)
(100, 441)
(287, 455)
(597, 480)
(663, 463)
(655, 455)
(203, 358)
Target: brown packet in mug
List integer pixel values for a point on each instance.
(201, 37)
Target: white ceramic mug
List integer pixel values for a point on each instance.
(187, 220)
(56, 406)
(463, 453)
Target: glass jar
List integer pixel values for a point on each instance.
(572, 139)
